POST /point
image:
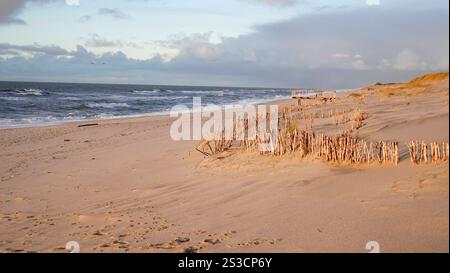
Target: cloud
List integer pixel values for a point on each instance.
(196, 45)
(72, 2)
(113, 13)
(373, 2)
(340, 55)
(97, 41)
(107, 12)
(50, 50)
(280, 3)
(84, 19)
(12, 21)
(407, 59)
(339, 49)
(10, 8)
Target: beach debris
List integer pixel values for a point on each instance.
(212, 241)
(191, 249)
(119, 242)
(182, 240)
(230, 233)
(168, 245)
(98, 233)
(88, 125)
(258, 241)
(204, 153)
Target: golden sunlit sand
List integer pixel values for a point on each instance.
(124, 186)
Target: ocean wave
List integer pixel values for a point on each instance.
(212, 92)
(107, 105)
(146, 92)
(43, 121)
(12, 98)
(43, 104)
(29, 92)
(30, 122)
(23, 92)
(71, 98)
(253, 101)
(167, 98)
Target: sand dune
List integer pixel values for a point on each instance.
(430, 83)
(125, 186)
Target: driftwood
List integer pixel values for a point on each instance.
(204, 153)
(88, 125)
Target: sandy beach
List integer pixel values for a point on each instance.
(126, 186)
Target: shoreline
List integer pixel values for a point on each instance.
(164, 113)
(121, 118)
(126, 186)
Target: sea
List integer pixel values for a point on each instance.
(29, 104)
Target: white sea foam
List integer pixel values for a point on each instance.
(29, 92)
(167, 97)
(117, 103)
(75, 117)
(255, 101)
(146, 92)
(71, 98)
(108, 105)
(212, 92)
(13, 98)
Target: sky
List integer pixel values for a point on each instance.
(264, 43)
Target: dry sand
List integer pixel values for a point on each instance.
(126, 186)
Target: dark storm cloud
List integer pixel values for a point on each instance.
(10, 8)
